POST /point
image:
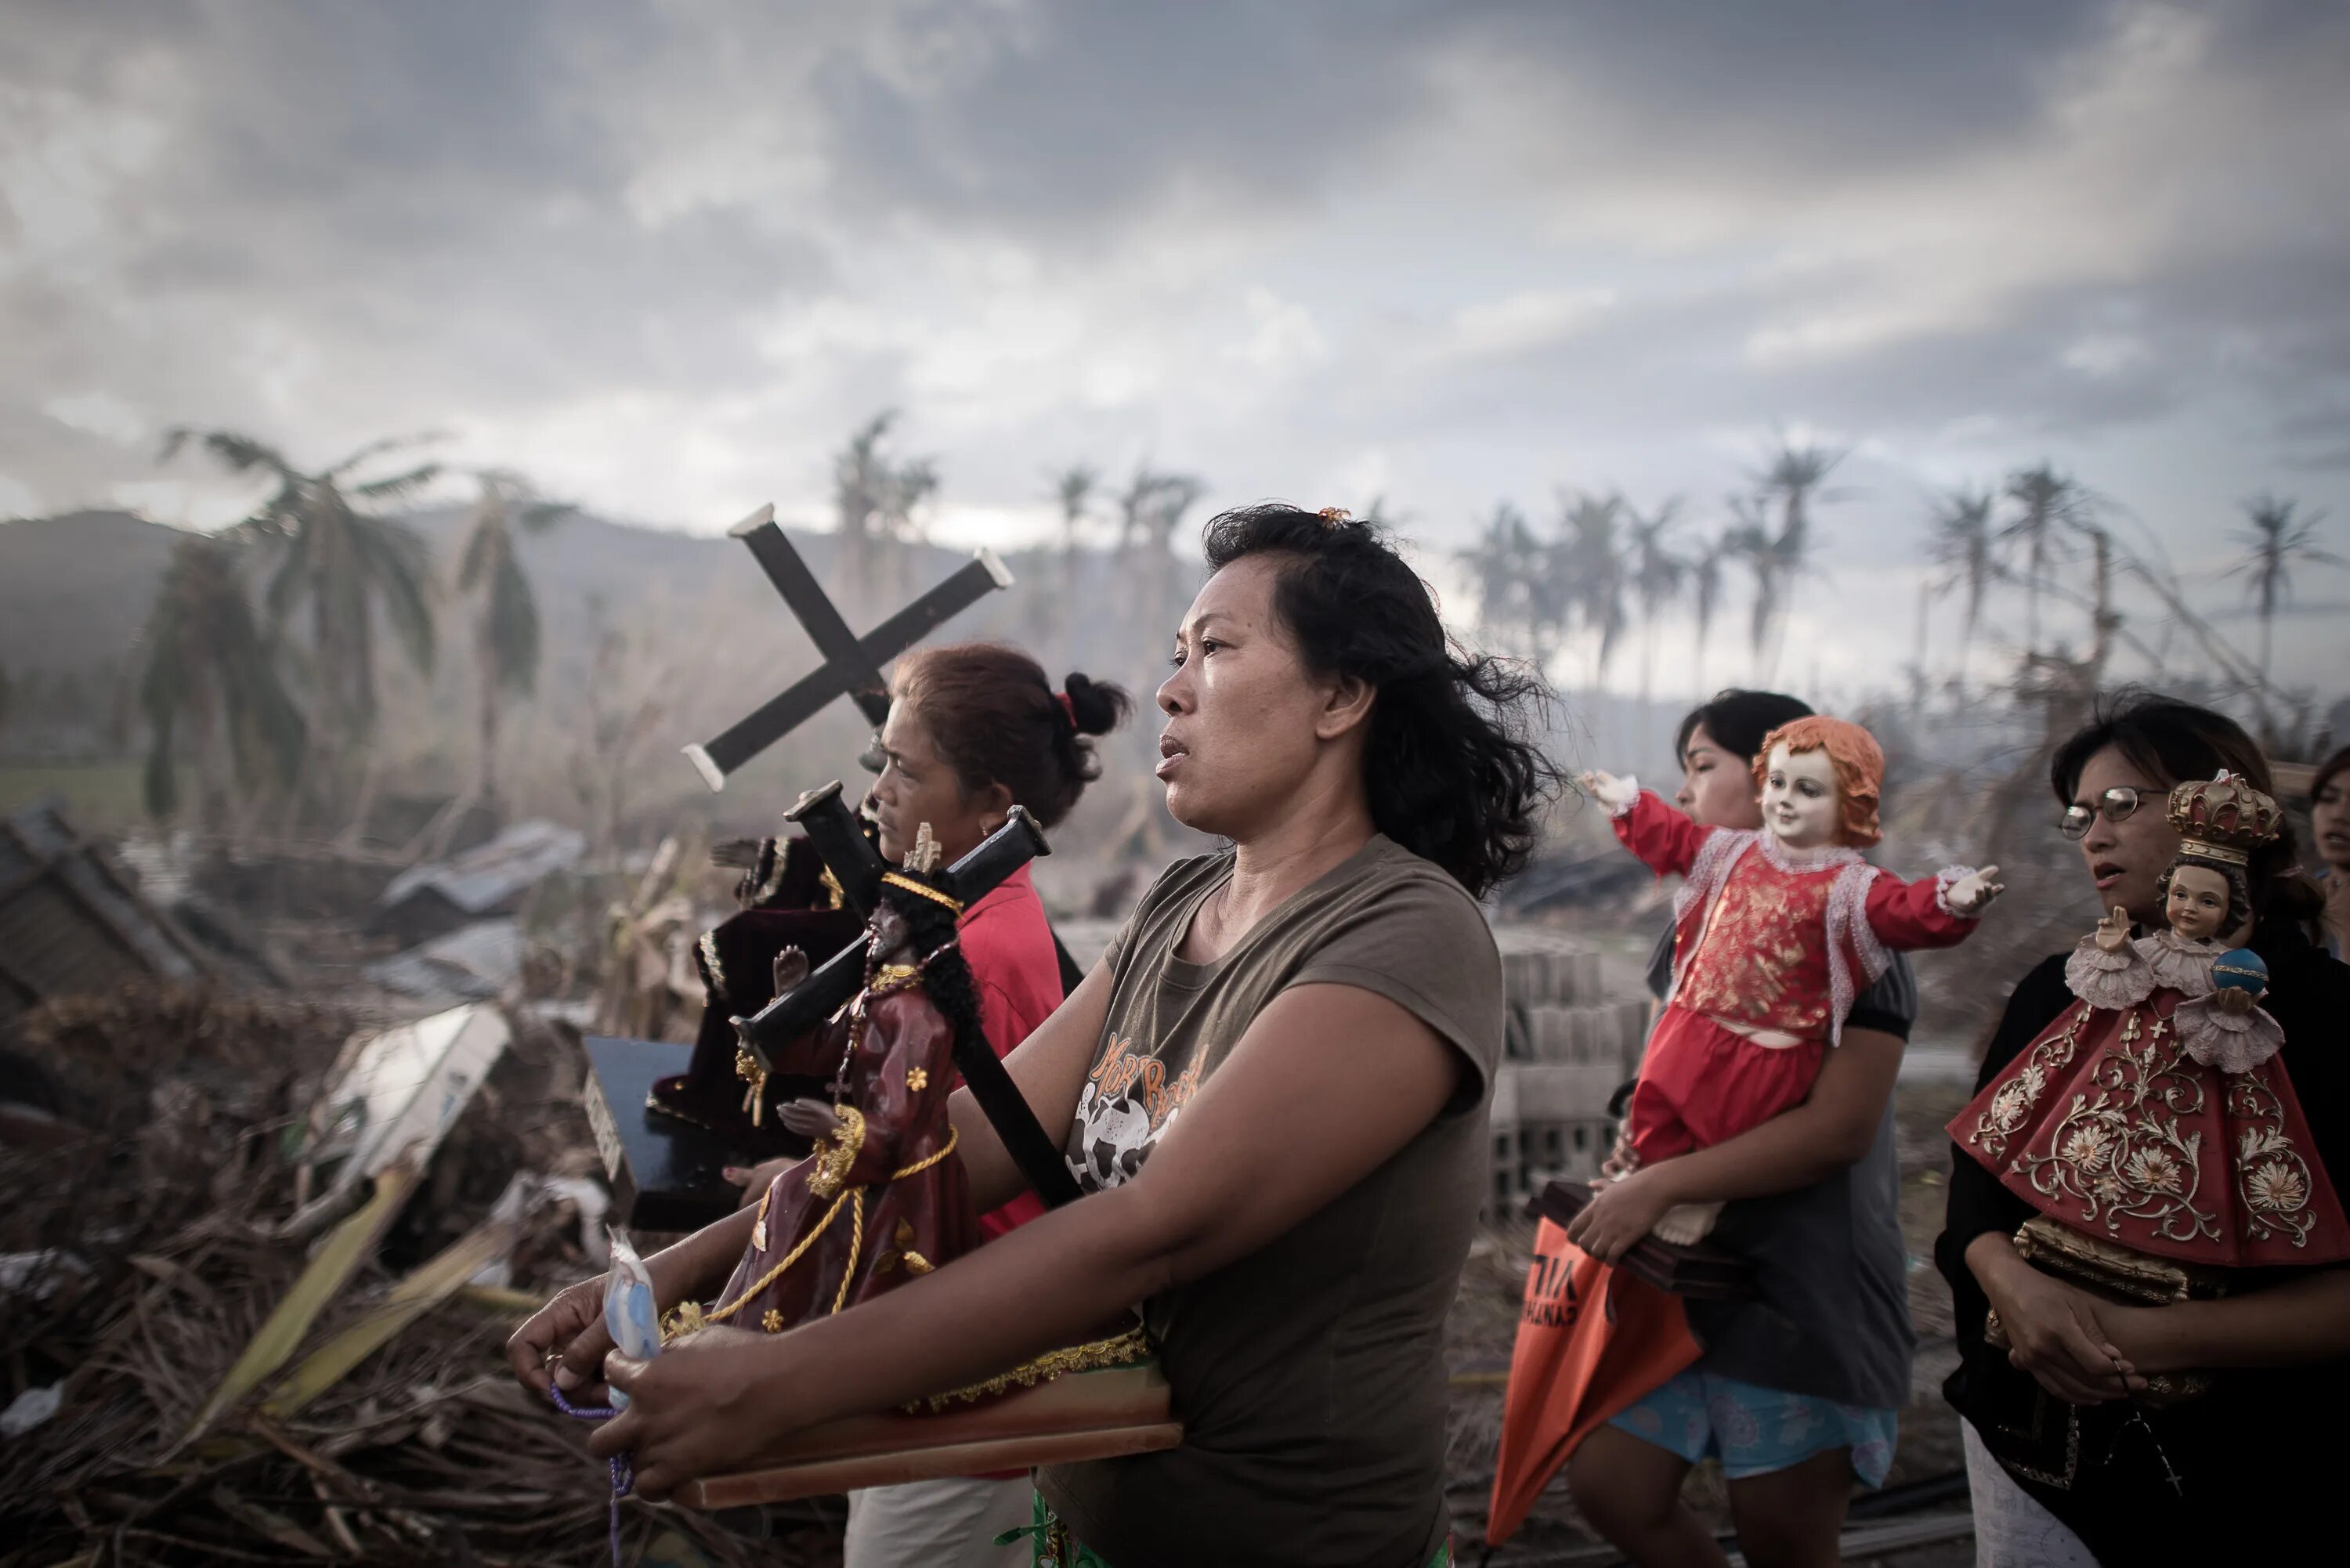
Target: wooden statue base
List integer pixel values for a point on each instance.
(1100, 1415)
(1700, 1270)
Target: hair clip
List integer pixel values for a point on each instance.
(1333, 516)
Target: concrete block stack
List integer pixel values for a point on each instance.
(1569, 1047)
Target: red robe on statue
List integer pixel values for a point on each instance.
(2115, 1125)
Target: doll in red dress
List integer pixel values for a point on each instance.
(1776, 931)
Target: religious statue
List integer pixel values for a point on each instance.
(1776, 931)
(2152, 1125)
(882, 1197)
(790, 911)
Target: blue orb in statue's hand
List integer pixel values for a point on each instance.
(2242, 969)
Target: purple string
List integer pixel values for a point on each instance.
(624, 1478)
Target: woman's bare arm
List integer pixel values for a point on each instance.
(1236, 1171)
(1831, 1129)
(2296, 1324)
(1050, 1067)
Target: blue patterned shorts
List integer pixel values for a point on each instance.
(1755, 1430)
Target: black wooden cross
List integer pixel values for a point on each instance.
(852, 665)
(825, 818)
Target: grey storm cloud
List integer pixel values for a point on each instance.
(667, 255)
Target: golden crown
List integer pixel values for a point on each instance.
(2223, 818)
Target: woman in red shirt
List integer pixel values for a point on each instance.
(975, 728)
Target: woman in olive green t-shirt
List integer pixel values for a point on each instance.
(1276, 1083)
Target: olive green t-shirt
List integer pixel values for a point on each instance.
(1309, 1376)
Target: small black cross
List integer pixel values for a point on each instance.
(852, 666)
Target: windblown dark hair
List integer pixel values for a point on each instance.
(1452, 768)
(1738, 719)
(2174, 740)
(930, 932)
(2332, 768)
(995, 719)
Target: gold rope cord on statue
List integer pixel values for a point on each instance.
(720, 1314)
(855, 1246)
(1118, 1350)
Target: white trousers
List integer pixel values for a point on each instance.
(2012, 1529)
(938, 1524)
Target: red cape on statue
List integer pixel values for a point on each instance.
(2106, 1124)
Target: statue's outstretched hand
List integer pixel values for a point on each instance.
(810, 1118)
(2113, 931)
(1972, 894)
(1614, 794)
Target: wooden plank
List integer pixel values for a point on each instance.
(822, 1477)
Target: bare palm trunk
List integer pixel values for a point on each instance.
(485, 769)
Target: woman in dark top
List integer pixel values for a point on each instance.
(2247, 1458)
(1797, 1392)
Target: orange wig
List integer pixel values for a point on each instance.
(1859, 769)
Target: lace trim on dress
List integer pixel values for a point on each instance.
(1943, 881)
(1710, 870)
(1814, 859)
(2229, 1042)
(1849, 934)
(2179, 963)
(2112, 980)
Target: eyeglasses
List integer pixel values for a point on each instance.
(2114, 806)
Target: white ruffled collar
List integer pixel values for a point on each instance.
(1825, 858)
(2182, 963)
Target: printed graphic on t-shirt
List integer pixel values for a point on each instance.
(1126, 1104)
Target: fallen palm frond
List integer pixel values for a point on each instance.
(370, 1420)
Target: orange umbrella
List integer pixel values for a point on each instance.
(1592, 1339)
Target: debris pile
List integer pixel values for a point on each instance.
(255, 1305)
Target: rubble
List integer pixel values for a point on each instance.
(431, 901)
(213, 1394)
(72, 920)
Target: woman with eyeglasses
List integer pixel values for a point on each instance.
(2262, 1449)
(2329, 824)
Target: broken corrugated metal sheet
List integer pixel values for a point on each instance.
(71, 922)
(402, 1092)
(426, 901)
(481, 961)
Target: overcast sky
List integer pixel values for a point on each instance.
(665, 256)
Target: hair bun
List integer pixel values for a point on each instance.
(1095, 707)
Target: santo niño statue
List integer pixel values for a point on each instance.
(2153, 1125)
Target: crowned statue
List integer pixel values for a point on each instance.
(2153, 1125)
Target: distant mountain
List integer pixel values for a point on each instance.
(73, 589)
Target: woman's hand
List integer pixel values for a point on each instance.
(694, 1411)
(564, 1342)
(2113, 931)
(2054, 1331)
(1620, 1214)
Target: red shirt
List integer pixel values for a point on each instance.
(1009, 947)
